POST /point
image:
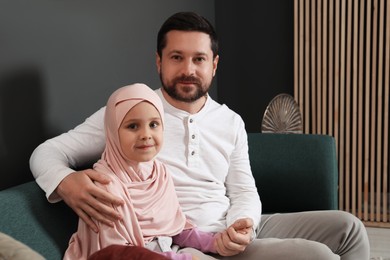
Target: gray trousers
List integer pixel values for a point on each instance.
(314, 235)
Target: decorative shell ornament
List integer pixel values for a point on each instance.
(282, 115)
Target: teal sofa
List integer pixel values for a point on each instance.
(293, 172)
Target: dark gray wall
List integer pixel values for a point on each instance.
(256, 64)
(60, 60)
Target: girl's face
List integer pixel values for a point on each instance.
(141, 132)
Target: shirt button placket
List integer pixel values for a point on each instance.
(193, 148)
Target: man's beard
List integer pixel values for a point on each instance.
(173, 91)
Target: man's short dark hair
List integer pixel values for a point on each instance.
(189, 22)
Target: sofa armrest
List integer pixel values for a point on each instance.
(28, 217)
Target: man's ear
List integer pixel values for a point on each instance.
(158, 63)
(215, 64)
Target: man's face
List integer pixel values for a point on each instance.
(186, 66)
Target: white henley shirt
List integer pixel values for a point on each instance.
(206, 153)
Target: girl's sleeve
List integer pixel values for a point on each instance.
(203, 241)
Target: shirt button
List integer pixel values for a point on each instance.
(193, 136)
(191, 120)
(193, 152)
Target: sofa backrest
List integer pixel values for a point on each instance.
(28, 217)
(294, 172)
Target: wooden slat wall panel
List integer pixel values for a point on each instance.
(341, 83)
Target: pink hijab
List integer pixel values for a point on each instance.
(151, 206)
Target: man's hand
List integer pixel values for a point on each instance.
(87, 200)
(235, 238)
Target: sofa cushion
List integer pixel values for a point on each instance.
(294, 172)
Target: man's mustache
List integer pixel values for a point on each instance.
(188, 79)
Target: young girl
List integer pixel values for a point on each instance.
(134, 122)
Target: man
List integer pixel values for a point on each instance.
(206, 151)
